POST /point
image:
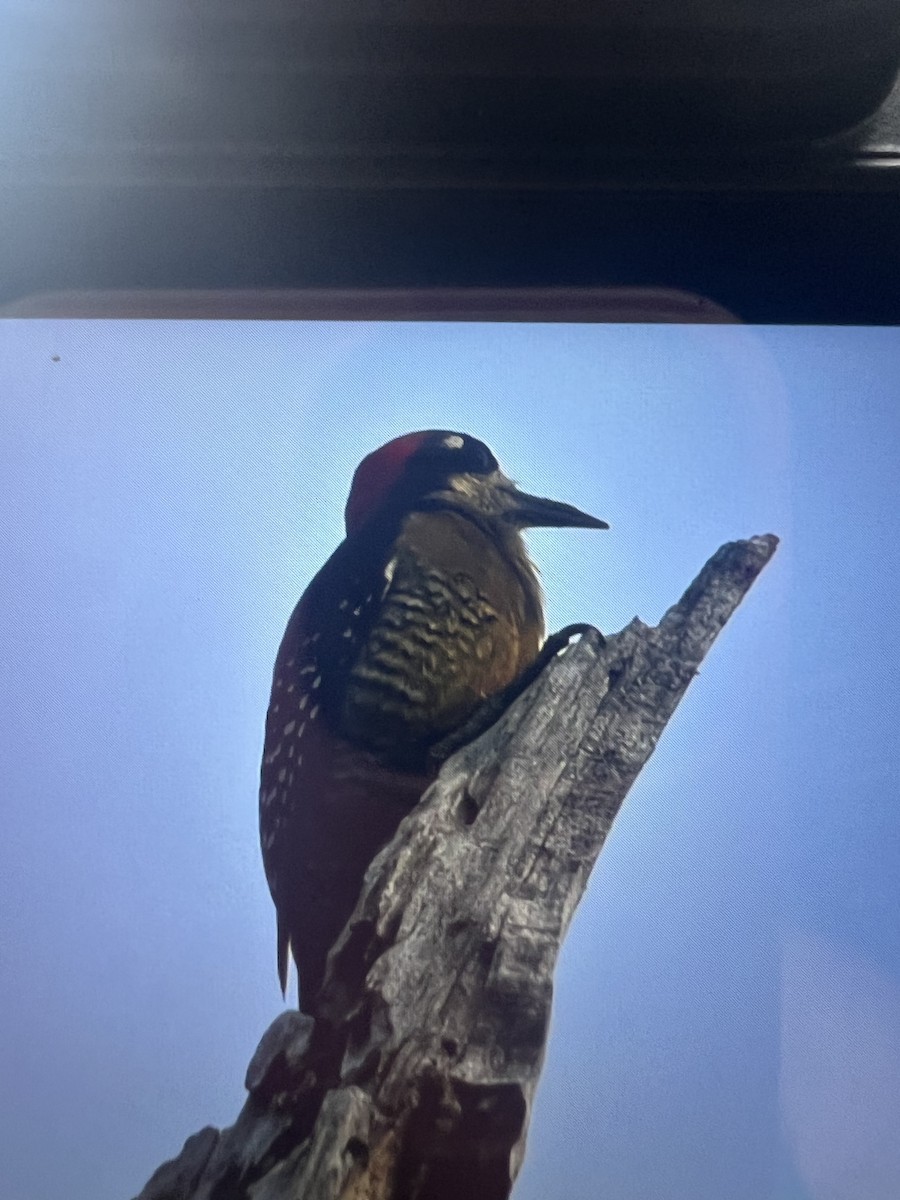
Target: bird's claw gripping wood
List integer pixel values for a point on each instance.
(417, 633)
(493, 708)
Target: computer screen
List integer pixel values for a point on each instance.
(726, 1017)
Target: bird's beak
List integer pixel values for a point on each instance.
(529, 512)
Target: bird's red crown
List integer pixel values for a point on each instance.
(376, 476)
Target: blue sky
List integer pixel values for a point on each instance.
(727, 1011)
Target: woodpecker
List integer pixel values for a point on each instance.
(427, 609)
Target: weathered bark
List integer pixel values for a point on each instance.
(416, 1079)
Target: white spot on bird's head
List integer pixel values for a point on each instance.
(453, 442)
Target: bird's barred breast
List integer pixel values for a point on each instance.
(445, 639)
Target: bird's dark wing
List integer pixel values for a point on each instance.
(301, 810)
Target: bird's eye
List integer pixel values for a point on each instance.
(462, 453)
(478, 457)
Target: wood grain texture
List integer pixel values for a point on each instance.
(417, 1079)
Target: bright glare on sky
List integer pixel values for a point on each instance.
(726, 1020)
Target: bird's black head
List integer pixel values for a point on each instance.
(410, 467)
(442, 468)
